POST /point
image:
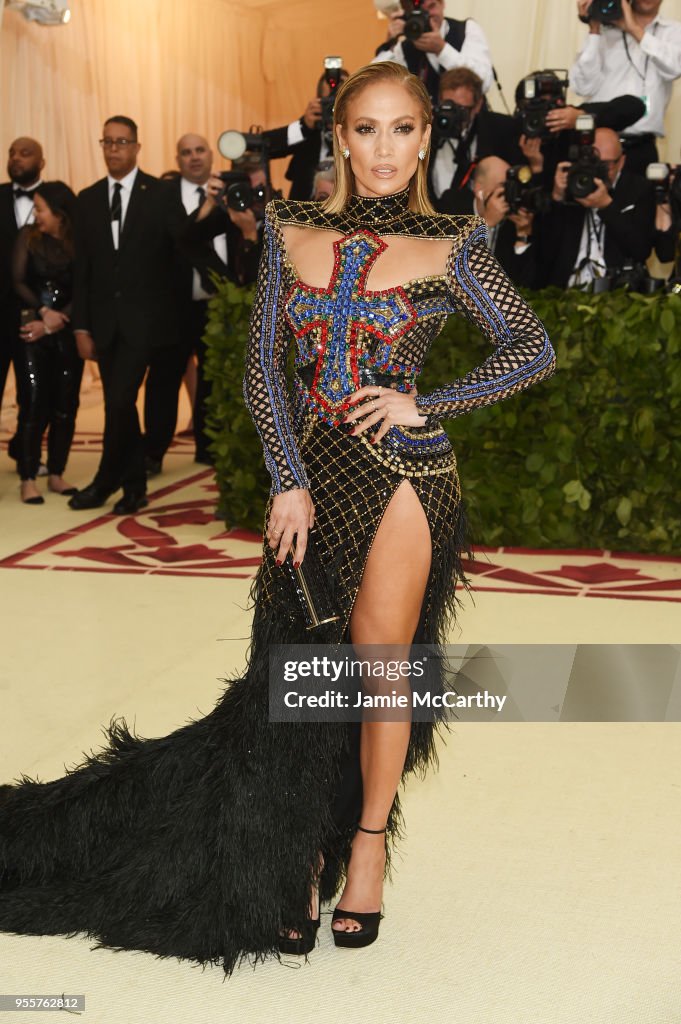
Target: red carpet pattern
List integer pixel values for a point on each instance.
(178, 534)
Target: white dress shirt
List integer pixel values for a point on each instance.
(23, 207)
(294, 135)
(190, 201)
(474, 54)
(604, 70)
(126, 191)
(445, 166)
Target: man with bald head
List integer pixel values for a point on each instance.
(510, 235)
(609, 229)
(225, 255)
(24, 166)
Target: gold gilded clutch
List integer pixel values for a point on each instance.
(311, 585)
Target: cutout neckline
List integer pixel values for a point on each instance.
(316, 288)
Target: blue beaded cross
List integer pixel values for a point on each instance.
(343, 309)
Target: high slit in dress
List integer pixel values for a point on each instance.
(200, 844)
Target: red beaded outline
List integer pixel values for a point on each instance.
(339, 247)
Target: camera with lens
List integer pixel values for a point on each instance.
(607, 12)
(450, 120)
(416, 19)
(520, 192)
(332, 76)
(536, 95)
(666, 181)
(586, 162)
(634, 277)
(238, 193)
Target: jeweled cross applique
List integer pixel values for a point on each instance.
(340, 311)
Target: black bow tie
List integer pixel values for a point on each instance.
(20, 193)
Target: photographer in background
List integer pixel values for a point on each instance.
(601, 218)
(308, 140)
(226, 254)
(667, 237)
(465, 131)
(423, 40)
(639, 54)
(324, 181)
(498, 195)
(547, 122)
(222, 238)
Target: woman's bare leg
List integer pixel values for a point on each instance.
(386, 611)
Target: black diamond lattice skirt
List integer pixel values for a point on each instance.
(198, 844)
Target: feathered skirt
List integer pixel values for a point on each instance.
(200, 844)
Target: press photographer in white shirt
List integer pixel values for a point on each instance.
(638, 55)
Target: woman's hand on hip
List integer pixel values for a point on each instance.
(384, 406)
(291, 515)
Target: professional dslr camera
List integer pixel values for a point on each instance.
(332, 74)
(416, 19)
(520, 192)
(450, 120)
(238, 192)
(586, 163)
(605, 11)
(535, 96)
(666, 181)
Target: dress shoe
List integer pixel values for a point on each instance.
(153, 467)
(91, 496)
(37, 500)
(129, 504)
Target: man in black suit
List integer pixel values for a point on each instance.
(304, 142)
(608, 229)
(232, 254)
(510, 236)
(124, 305)
(24, 166)
(482, 133)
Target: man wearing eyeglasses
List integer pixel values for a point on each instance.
(124, 305)
(609, 229)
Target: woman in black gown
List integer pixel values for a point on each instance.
(49, 369)
(208, 843)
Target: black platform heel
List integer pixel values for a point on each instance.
(307, 940)
(370, 921)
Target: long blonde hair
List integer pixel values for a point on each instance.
(371, 74)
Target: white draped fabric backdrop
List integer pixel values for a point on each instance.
(206, 65)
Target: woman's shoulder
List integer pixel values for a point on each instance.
(294, 211)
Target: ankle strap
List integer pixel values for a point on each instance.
(374, 831)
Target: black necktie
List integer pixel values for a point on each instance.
(201, 192)
(21, 193)
(116, 207)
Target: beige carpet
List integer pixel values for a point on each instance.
(539, 882)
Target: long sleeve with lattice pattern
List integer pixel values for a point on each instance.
(523, 354)
(264, 383)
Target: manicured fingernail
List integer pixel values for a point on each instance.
(279, 561)
(373, 440)
(296, 565)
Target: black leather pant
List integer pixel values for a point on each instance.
(49, 372)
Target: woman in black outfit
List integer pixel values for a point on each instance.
(49, 369)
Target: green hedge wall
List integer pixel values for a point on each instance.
(589, 459)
